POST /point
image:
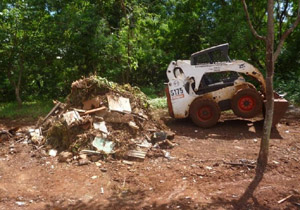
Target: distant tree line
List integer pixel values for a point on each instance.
(47, 44)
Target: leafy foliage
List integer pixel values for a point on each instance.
(50, 43)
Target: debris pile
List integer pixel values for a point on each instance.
(100, 119)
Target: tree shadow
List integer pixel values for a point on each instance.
(135, 201)
(119, 200)
(228, 129)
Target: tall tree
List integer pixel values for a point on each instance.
(271, 57)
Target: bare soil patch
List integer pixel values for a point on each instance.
(208, 169)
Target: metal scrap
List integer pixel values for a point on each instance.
(136, 154)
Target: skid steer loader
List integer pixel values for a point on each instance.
(208, 83)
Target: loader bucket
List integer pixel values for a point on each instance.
(280, 107)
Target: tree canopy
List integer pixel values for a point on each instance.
(47, 44)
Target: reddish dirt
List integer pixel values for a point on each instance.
(198, 176)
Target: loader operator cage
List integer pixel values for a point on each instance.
(211, 55)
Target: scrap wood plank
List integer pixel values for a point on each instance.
(94, 110)
(137, 154)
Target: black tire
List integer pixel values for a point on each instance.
(246, 103)
(204, 112)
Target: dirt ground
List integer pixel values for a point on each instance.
(204, 171)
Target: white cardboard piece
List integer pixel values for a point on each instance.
(117, 103)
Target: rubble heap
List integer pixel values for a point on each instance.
(101, 118)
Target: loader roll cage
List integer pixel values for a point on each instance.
(211, 55)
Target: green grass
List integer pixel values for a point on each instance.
(30, 110)
(35, 109)
(158, 102)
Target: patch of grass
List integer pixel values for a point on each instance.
(31, 110)
(158, 102)
(149, 91)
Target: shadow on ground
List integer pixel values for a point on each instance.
(135, 201)
(240, 129)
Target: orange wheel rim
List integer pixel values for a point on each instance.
(246, 103)
(205, 113)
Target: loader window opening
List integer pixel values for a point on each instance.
(215, 81)
(203, 59)
(209, 79)
(211, 55)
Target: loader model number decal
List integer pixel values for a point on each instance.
(177, 93)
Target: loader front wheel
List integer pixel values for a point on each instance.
(246, 103)
(205, 112)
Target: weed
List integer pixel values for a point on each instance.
(158, 102)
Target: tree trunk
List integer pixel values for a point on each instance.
(271, 57)
(18, 85)
(19, 100)
(264, 148)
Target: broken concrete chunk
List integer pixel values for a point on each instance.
(101, 126)
(103, 145)
(127, 162)
(71, 117)
(98, 164)
(64, 156)
(83, 156)
(91, 104)
(83, 162)
(116, 103)
(133, 125)
(52, 152)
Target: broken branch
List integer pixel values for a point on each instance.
(284, 199)
(49, 114)
(250, 23)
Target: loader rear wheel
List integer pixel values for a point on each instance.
(205, 112)
(246, 103)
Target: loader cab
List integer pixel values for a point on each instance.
(211, 55)
(217, 80)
